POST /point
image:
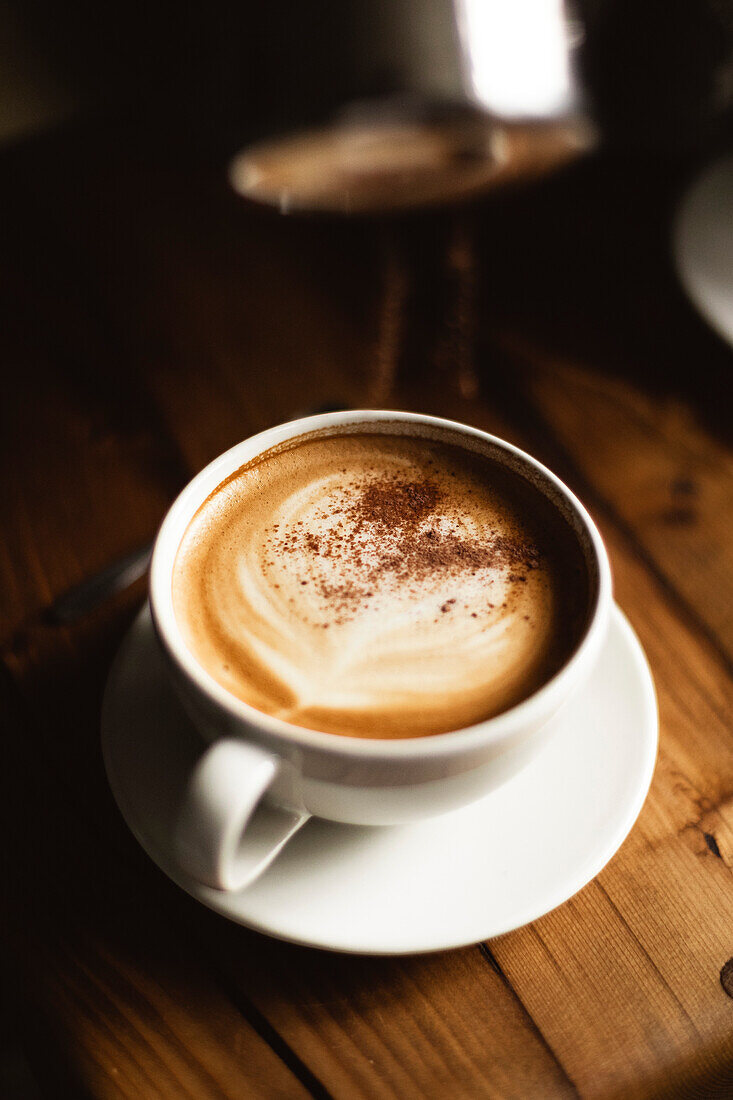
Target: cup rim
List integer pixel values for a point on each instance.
(534, 709)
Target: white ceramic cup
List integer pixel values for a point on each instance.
(261, 778)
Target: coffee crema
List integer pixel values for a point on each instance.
(379, 585)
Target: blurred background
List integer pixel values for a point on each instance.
(657, 75)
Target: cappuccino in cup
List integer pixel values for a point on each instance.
(382, 580)
(370, 617)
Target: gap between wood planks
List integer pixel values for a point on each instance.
(269, 1034)
(532, 1024)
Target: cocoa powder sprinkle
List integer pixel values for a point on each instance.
(381, 535)
(388, 503)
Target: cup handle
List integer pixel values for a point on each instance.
(226, 835)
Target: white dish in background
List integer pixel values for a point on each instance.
(442, 883)
(703, 245)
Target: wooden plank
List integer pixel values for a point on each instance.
(122, 997)
(668, 887)
(89, 472)
(668, 479)
(72, 509)
(639, 951)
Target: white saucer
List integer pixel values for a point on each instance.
(703, 245)
(446, 882)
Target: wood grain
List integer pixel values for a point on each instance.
(661, 472)
(151, 321)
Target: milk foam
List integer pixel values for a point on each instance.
(370, 585)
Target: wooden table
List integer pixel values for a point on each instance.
(149, 321)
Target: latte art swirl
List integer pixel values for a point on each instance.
(375, 585)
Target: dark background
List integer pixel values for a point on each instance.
(659, 72)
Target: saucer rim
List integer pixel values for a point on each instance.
(572, 882)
